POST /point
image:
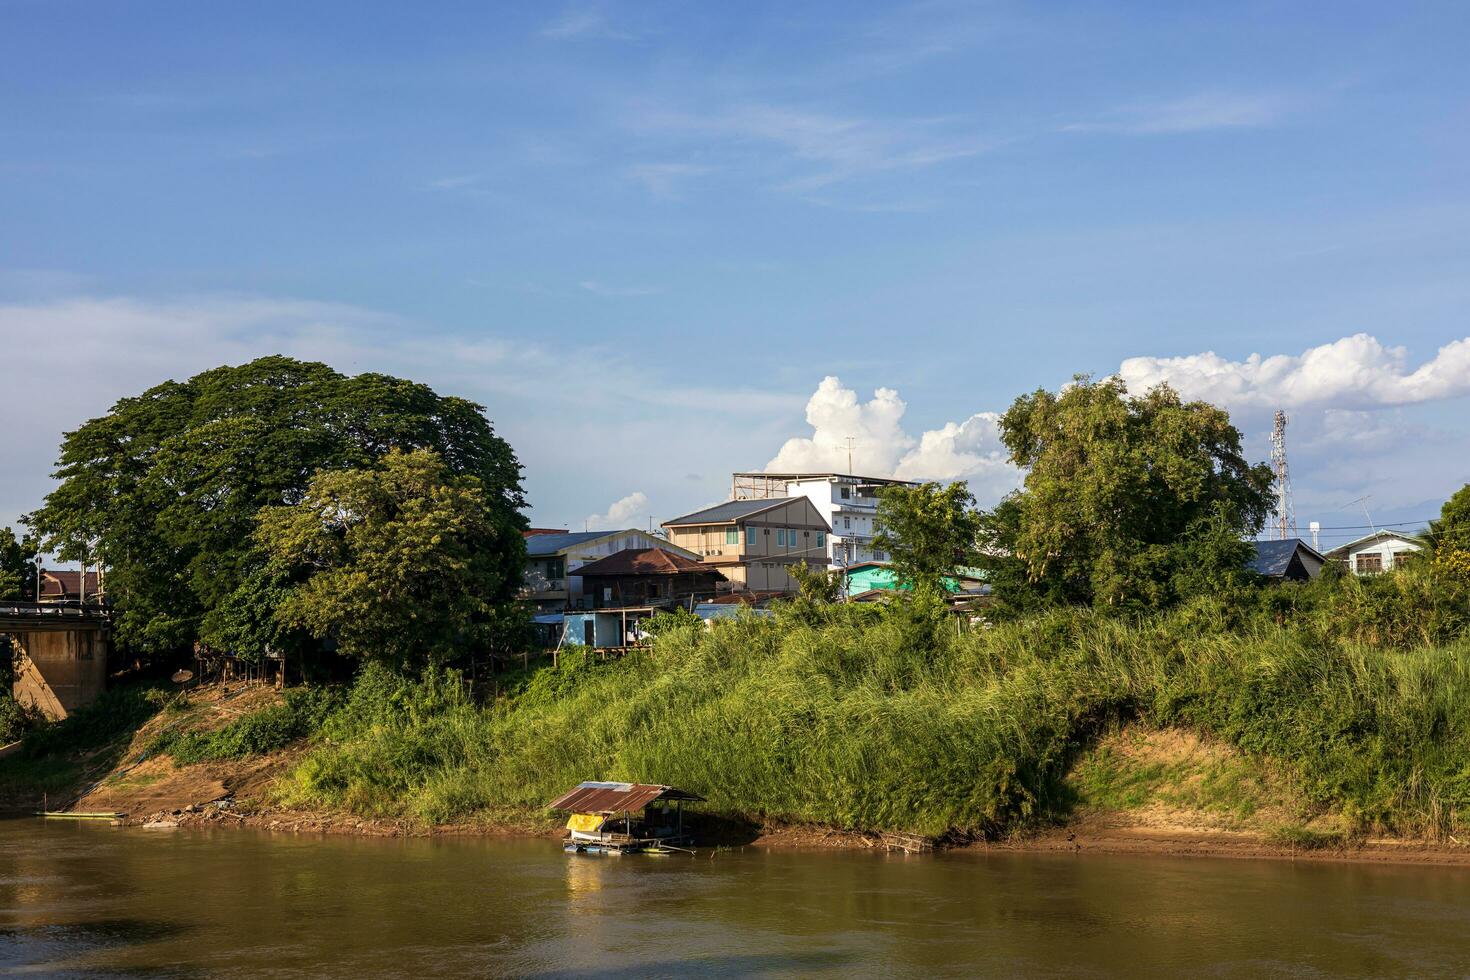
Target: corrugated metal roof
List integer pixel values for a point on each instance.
(550, 544)
(1342, 550)
(644, 561)
(721, 610)
(595, 797)
(730, 510)
(1273, 558)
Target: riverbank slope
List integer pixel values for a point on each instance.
(830, 729)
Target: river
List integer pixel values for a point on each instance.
(82, 899)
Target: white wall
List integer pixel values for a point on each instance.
(851, 520)
(1388, 549)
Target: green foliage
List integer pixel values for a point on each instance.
(1451, 530)
(928, 531)
(166, 486)
(117, 713)
(404, 563)
(17, 567)
(888, 718)
(818, 585)
(301, 713)
(1114, 484)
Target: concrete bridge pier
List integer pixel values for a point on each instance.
(61, 655)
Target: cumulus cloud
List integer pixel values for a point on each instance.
(837, 416)
(629, 511)
(1356, 372)
(968, 450)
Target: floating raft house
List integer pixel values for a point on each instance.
(623, 818)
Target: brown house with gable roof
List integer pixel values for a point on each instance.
(647, 577)
(755, 542)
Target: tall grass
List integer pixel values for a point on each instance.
(894, 720)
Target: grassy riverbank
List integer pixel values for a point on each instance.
(1312, 717)
(856, 719)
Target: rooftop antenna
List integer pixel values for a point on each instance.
(850, 443)
(1363, 501)
(1285, 515)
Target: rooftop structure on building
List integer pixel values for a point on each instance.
(847, 502)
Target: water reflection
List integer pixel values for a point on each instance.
(86, 900)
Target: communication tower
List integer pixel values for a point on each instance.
(1285, 514)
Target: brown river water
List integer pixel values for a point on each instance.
(80, 900)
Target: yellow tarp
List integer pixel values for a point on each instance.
(586, 823)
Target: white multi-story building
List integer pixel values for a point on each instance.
(848, 503)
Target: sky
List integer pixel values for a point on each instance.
(661, 242)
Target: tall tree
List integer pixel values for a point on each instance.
(928, 531)
(395, 563)
(165, 487)
(17, 569)
(1115, 486)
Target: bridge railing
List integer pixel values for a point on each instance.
(52, 611)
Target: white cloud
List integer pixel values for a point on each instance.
(69, 360)
(629, 511)
(584, 23)
(968, 450)
(603, 289)
(828, 148)
(1356, 372)
(836, 416)
(664, 179)
(1195, 113)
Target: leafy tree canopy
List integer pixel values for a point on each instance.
(17, 567)
(1127, 499)
(165, 487)
(1451, 530)
(928, 532)
(399, 563)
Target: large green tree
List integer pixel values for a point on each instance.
(396, 563)
(17, 568)
(928, 532)
(1121, 493)
(165, 487)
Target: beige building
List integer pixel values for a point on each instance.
(755, 542)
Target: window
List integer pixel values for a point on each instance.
(846, 493)
(781, 537)
(879, 556)
(732, 535)
(750, 536)
(847, 522)
(553, 568)
(1403, 557)
(1369, 563)
(821, 539)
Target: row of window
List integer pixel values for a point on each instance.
(785, 537)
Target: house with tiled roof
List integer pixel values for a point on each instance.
(553, 560)
(648, 577)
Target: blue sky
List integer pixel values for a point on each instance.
(643, 234)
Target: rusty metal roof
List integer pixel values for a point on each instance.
(644, 561)
(594, 797)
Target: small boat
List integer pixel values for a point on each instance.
(625, 818)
